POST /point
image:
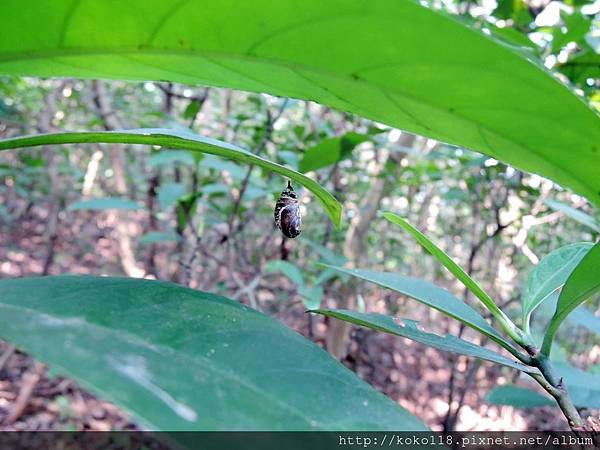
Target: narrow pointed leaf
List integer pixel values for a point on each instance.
(575, 214)
(431, 295)
(550, 274)
(446, 261)
(103, 204)
(397, 62)
(583, 282)
(180, 140)
(180, 359)
(412, 330)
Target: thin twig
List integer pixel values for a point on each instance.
(30, 381)
(6, 355)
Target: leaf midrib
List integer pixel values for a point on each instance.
(136, 340)
(85, 51)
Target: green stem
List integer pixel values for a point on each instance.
(554, 385)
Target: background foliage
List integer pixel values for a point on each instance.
(206, 222)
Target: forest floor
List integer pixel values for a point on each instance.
(411, 374)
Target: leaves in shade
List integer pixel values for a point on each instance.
(431, 295)
(169, 193)
(583, 282)
(518, 397)
(103, 204)
(584, 387)
(154, 237)
(180, 359)
(170, 157)
(412, 330)
(330, 52)
(575, 214)
(445, 260)
(330, 151)
(586, 318)
(181, 140)
(288, 269)
(550, 274)
(311, 295)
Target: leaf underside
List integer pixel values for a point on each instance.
(396, 62)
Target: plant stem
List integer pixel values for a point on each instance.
(555, 386)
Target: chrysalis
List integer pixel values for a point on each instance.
(287, 213)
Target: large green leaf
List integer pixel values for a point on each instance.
(518, 397)
(583, 282)
(550, 274)
(431, 295)
(412, 330)
(181, 140)
(397, 62)
(179, 359)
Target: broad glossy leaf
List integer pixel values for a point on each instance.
(518, 397)
(575, 214)
(396, 62)
(103, 204)
(180, 359)
(431, 295)
(550, 274)
(583, 282)
(181, 140)
(331, 150)
(446, 261)
(412, 330)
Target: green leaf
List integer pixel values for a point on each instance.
(431, 295)
(103, 204)
(180, 140)
(583, 282)
(575, 214)
(154, 237)
(549, 275)
(286, 268)
(330, 151)
(180, 359)
(412, 330)
(452, 83)
(518, 397)
(169, 193)
(447, 262)
(583, 387)
(192, 109)
(586, 318)
(311, 297)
